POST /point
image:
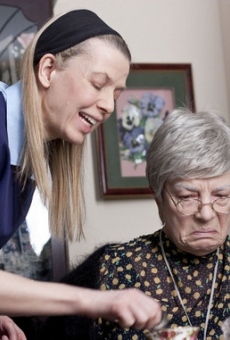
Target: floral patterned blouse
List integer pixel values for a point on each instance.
(140, 264)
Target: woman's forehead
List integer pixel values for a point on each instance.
(217, 182)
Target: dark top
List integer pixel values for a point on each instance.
(74, 327)
(140, 264)
(14, 202)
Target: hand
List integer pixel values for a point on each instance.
(9, 330)
(130, 307)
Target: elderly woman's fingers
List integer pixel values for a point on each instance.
(9, 330)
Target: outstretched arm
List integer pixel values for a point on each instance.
(21, 296)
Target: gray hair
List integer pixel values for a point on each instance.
(188, 145)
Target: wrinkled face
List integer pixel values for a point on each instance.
(77, 99)
(204, 231)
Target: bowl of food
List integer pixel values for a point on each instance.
(177, 333)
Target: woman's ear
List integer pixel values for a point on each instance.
(47, 65)
(158, 202)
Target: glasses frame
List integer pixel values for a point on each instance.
(200, 206)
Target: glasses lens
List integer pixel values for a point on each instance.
(222, 205)
(188, 207)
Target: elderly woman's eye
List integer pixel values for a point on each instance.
(188, 197)
(221, 196)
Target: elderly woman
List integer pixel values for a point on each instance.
(184, 265)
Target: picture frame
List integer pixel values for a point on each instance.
(153, 91)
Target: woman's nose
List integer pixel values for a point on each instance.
(206, 211)
(107, 103)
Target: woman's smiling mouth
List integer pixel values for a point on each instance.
(89, 121)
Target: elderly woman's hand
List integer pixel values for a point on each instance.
(9, 330)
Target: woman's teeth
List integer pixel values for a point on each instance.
(86, 119)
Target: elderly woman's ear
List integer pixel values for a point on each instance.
(159, 203)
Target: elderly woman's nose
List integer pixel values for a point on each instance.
(206, 211)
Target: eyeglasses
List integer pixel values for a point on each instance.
(191, 206)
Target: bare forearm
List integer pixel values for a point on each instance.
(130, 307)
(21, 296)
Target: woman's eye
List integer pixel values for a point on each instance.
(188, 197)
(97, 86)
(184, 198)
(221, 196)
(117, 94)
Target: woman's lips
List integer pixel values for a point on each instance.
(87, 120)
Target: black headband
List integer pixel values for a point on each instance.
(69, 30)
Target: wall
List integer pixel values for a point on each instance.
(157, 31)
(225, 25)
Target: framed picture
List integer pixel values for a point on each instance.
(153, 91)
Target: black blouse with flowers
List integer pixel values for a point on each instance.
(140, 264)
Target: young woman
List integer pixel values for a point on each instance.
(72, 73)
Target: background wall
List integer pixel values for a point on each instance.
(157, 31)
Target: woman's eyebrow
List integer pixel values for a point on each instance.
(222, 187)
(108, 79)
(194, 188)
(185, 186)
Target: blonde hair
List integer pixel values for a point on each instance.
(57, 160)
(57, 166)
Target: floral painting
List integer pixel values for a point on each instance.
(140, 112)
(153, 92)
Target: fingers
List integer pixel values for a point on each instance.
(134, 309)
(129, 307)
(20, 333)
(4, 337)
(9, 330)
